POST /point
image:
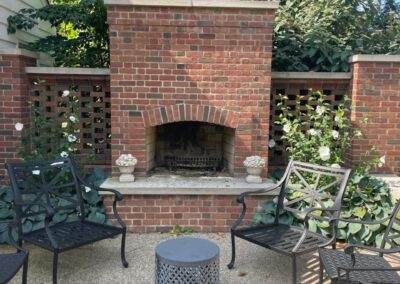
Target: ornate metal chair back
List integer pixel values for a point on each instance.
(40, 185)
(311, 186)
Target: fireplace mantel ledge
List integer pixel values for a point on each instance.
(271, 4)
(185, 186)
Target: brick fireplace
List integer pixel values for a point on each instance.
(197, 62)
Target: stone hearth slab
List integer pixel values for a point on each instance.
(177, 185)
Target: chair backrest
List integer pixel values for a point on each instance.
(52, 183)
(391, 238)
(307, 186)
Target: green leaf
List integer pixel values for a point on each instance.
(354, 228)
(269, 207)
(97, 217)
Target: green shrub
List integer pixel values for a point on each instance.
(316, 132)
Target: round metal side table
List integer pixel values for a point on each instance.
(187, 261)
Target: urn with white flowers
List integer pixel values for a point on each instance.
(254, 166)
(126, 165)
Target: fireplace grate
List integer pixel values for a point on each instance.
(203, 162)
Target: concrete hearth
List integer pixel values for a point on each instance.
(178, 185)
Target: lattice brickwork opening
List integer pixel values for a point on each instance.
(335, 94)
(93, 111)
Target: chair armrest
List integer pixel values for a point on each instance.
(307, 215)
(117, 197)
(240, 197)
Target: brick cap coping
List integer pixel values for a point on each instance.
(67, 71)
(142, 186)
(18, 51)
(312, 75)
(374, 58)
(271, 4)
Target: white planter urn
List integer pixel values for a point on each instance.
(254, 166)
(126, 165)
(126, 173)
(254, 174)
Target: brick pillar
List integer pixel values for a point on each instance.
(13, 101)
(376, 96)
(212, 61)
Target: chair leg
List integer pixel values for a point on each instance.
(321, 272)
(124, 262)
(232, 263)
(25, 271)
(294, 270)
(55, 266)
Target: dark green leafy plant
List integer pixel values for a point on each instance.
(82, 38)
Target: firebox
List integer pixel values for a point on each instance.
(191, 145)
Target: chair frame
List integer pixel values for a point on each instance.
(305, 215)
(50, 211)
(350, 248)
(13, 224)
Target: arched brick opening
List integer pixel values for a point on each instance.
(199, 133)
(189, 112)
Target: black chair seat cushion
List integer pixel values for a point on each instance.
(10, 264)
(281, 238)
(72, 235)
(332, 259)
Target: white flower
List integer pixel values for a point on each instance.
(271, 143)
(64, 124)
(65, 93)
(314, 132)
(335, 134)
(336, 166)
(73, 118)
(320, 110)
(87, 189)
(382, 161)
(126, 160)
(36, 172)
(357, 133)
(19, 126)
(64, 154)
(286, 127)
(254, 162)
(338, 119)
(324, 153)
(71, 138)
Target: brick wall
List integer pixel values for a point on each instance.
(376, 96)
(188, 63)
(13, 102)
(202, 213)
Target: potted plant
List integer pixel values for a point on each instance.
(254, 166)
(126, 165)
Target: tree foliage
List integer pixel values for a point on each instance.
(82, 31)
(320, 35)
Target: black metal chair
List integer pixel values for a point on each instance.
(47, 190)
(350, 267)
(11, 263)
(299, 197)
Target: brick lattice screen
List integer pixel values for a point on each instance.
(94, 112)
(335, 91)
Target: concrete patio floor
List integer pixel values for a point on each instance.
(100, 262)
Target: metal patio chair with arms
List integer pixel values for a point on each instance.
(11, 263)
(47, 191)
(349, 266)
(306, 191)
